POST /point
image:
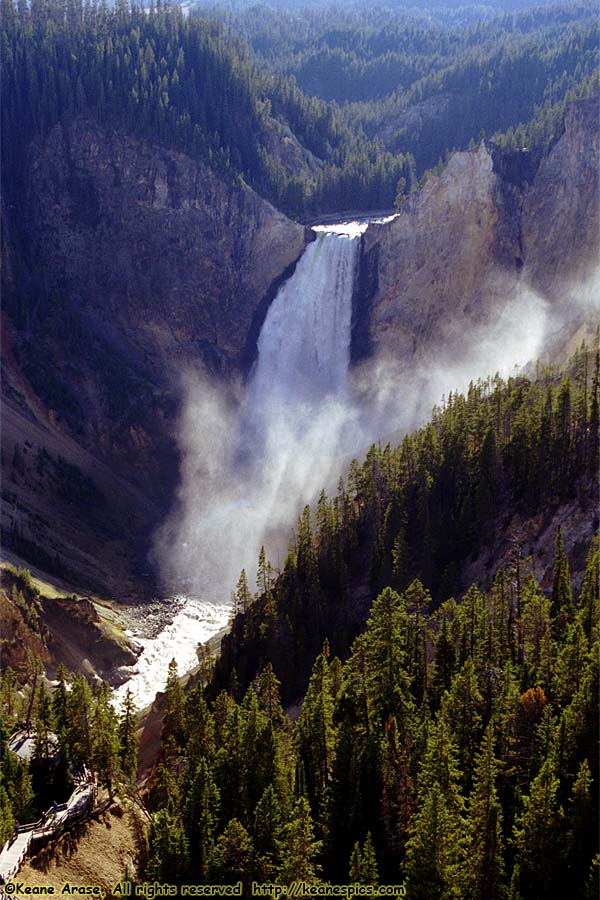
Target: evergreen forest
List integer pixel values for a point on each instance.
(440, 738)
(404, 700)
(371, 102)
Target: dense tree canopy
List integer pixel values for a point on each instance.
(454, 747)
(418, 89)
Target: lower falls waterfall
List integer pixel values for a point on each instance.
(253, 456)
(304, 345)
(248, 468)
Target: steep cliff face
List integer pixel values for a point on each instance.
(437, 260)
(124, 265)
(474, 236)
(560, 221)
(152, 244)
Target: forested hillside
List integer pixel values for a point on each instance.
(418, 89)
(424, 85)
(421, 510)
(455, 746)
(186, 83)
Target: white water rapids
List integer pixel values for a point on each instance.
(258, 467)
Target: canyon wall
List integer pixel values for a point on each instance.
(490, 225)
(124, 266)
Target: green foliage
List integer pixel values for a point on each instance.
(363, 864)
(189, 83)
(199, 818)
(127, 735)
(424, 82)
(436, 844)
(456, 745)
(483, 874)
(231, 859)
(299, 848)
(174, 704)
(167, 849)
(537, 838)
(105, 740)
(391, 784)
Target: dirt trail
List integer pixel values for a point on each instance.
(99, 851)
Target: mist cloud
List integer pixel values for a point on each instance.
(250, 462)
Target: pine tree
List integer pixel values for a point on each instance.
(435, 847)
(483, 869)
(267, 831)
(231, 860)
(562, 598)
(269, 696)
(200, 818)
(445, 658)
(173, 721)
(570, 664)
(128, 744)
(42, 727)
(258, 758)
(299, 848)
(388, 682)
(355, 870)
(7, 819)
(464, 708)
(199, 728)
(537, 838)
(589, 597)
(315, 736)
(229, 765)
(20, 790)
(363, 864)
(105, 742)
(80, 721)
(397, 798)
(243, 596)
(581, 841)
(369, 873)
(8, 697)
(35, 669)
(167, 849)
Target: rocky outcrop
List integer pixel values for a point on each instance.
(437, 260)
(65, 630)
(124, 265)
(472, 237)
(426, 112)
(561, 212)
(151, 245)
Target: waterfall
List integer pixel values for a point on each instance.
(249, 467)
(304, 344)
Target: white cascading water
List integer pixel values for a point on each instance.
(259, 467)
(304, 345)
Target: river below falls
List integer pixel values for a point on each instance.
(194, 622)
